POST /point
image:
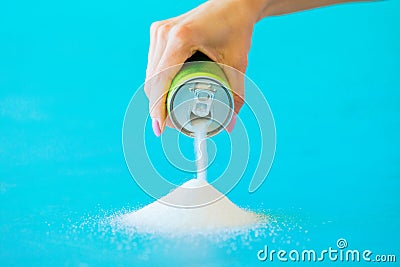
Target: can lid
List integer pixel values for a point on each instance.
(201, 99)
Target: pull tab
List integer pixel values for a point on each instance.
(204, 97)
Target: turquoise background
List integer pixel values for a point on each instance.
(68, 70)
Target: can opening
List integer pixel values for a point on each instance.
(202, 102)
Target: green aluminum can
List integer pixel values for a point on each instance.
(200, 90)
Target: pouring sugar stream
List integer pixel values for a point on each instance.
(200, 105)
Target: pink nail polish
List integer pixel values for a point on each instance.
(156, 127)
(231, 124)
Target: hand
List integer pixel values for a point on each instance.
(220, 29)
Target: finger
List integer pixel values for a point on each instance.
(158, 42)
(161, 39)
(170, 63)
(236, 82)
(153, 42)
(231, 125)
(168, 122)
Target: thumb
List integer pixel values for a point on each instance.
(236, 82)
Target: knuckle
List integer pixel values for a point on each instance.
(154, 26)
(164, 28)
(161, 26)
(180, 34)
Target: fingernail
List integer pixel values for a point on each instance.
(231, 124)
(156, 127)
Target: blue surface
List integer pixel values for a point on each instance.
(68, 71)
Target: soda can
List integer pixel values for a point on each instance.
(200, 91)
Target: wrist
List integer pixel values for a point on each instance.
(252, 10)
(255, 8)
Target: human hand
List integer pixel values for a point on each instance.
(220, 29)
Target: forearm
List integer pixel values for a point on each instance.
(265, 8)
(280, 7)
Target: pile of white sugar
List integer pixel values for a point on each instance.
(218, 215)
